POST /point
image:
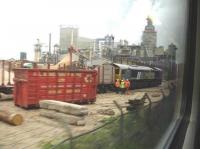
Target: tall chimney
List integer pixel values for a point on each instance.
(50, 43)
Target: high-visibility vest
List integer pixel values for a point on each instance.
(122, 84)
(117, 84)
(127, 84)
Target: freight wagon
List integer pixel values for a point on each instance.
(139, 76)
(33, 85)
(106, 78)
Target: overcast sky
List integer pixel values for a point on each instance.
(23, 21)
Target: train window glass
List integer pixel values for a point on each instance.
(127, 74)
(116, 71)
(134, 74)
(148, 75)
(140, 34)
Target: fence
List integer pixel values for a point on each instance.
(139, 129)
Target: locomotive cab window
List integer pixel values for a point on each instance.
(126, 74)
(147, 75)
(134, 74)
(117, 73)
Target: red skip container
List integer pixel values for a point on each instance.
(33, 85)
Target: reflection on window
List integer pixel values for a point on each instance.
(141, 42)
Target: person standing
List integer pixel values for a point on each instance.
(127, 86)
(122, 87)
(117, 85)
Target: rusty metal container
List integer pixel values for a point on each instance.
(33, 85)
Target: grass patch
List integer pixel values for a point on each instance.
(109, 119)
(109, 137)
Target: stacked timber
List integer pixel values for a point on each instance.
(64, 112)
(11, 118)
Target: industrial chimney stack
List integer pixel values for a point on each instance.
(37, 51)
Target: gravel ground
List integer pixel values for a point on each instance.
(37, 130)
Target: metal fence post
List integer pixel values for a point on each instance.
(121, 122)
(70, 134)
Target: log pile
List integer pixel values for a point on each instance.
(63, 112)
(11, 118)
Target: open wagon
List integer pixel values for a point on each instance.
(33, 85)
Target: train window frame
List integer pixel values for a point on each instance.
(193, 131)
(182, 132)
(178, 129)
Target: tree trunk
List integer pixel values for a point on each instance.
(61, 117)
(11, 118)
(64, 107)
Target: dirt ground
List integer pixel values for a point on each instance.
(37, 130)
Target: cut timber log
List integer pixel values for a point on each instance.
(5, 96)
(64, 107)
(64, 118)
(13, 119)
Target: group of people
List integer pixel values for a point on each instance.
(122, 86)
